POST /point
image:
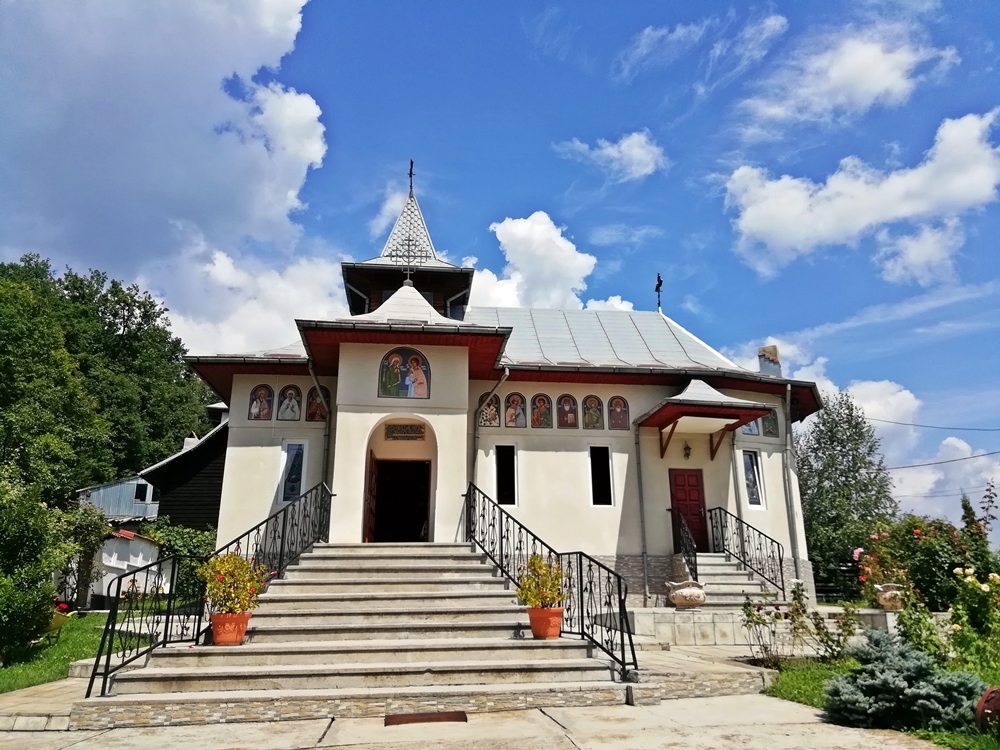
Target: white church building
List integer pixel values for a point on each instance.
(600, 431)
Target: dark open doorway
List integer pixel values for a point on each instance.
(402, 501)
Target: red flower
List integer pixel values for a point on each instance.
(916, 532)
(862, 578)
(218, 578)
(63, 607)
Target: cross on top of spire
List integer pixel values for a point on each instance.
(409, 242)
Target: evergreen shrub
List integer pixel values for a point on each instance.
(898, 687)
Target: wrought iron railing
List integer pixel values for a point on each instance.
(684, 542)
(751, 547)
(164, 602)
(595, 604)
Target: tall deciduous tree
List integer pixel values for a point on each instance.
(845, 487)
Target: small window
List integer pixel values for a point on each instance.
(751, 428)
(600, 475)
(506, 475)
(751, 469)
(156, 496)
(140, 493)
(291, 482)
(769, 424)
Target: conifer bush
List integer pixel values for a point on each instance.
(898, 687)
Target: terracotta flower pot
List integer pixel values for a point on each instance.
(229, 629)
(546, 622)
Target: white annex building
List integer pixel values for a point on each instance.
(617, 433)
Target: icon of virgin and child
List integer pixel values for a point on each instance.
(405, 373)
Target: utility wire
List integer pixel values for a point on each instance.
(937, 427)
(948, 461)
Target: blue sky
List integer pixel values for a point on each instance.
(823, 176)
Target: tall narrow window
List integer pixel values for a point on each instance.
(140, 493)
(600, 475)
(751, 468)
(506, 475)
(295, 462)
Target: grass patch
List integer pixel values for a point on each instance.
(80, 639)
(959, 741)
(803, 681)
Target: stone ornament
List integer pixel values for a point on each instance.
(686, 594)
(890, 596)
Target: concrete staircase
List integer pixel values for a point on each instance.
(727, 583)
(366, 630)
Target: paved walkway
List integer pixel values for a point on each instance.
(42, 706)
(748, 722)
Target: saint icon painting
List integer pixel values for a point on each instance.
(404, 373)
(290, 406)
(541, 411)
(315, 411)
(618, 413)
(593, 413)
(489, 415)
(566, 412)
(514, 413)
(261, 401)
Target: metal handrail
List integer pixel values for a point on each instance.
(750, 546)
(595, 603)
(164, 602)
(685, 539)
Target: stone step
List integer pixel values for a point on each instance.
(724, 575)
(735, 603)
(733, 587)
(367, 600)
(259, 633)
(376, 548)
(319, 584)
(334, 571)
(382, 560)
(360, 652)
(442, 615)
(216, 707)
(385, 674)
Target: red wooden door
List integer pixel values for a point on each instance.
(369, 510)
(688, 497)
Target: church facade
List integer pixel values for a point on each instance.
(598, 430)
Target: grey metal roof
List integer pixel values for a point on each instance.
(409, 242)
(598, 338)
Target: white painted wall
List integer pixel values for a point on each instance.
(254, 457)
(361, 415)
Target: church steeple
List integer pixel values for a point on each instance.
(408, 254)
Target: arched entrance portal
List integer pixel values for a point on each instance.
(400, 482)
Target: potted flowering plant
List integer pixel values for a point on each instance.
(232, 588)
(540, 590)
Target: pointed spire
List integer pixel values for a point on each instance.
(409, 242)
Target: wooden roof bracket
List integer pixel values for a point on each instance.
(665, 445)
(714, 446)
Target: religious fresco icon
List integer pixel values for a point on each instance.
(514, 412)
(404, 373)
(315, 411)
(489, 415)
(541, 410)
(566, 412)
(593, 413)
(290, 404)
(261, 401)
(618, 413)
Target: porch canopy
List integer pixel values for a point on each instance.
(701, 410)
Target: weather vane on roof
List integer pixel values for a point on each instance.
(411, 178)
(659, 286)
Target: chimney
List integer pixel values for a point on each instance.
(190, 441)
(768, 362)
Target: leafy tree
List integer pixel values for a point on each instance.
(88, 347)
(52, 436)
(845, 487)
(86, 528)
(31, 549)
(190, 546)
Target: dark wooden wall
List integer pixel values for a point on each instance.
(196, 502)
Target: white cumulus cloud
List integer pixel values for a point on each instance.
(634, 157)
(839, 76)
(655, 47)
(924, 257)
(544, 269)
(782, 218)
(392, 207)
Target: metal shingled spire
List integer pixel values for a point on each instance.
(409, 242)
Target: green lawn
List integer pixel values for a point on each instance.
(803, 681)
(80, 639)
